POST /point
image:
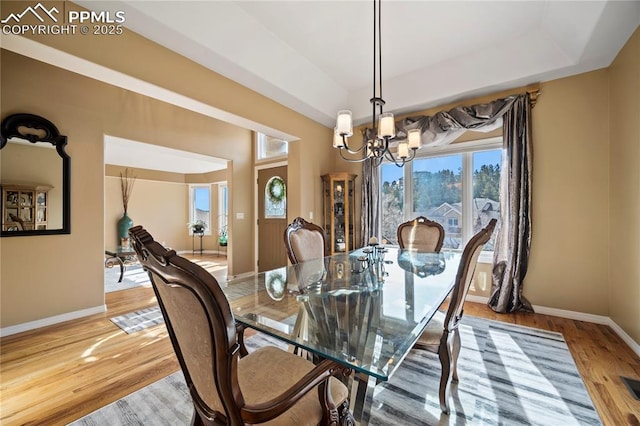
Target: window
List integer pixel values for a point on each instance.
(200, 206)
(457, 186)
(269, 147)
(223, 204)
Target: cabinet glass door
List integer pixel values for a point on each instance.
(339, 211)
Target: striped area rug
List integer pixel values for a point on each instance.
(139, 320)
(509, 375)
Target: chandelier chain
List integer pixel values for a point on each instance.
(375, 144)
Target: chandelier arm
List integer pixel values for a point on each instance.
(352, 160)
(400, 162)
(350, 150)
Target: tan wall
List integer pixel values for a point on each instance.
(157, 197)
(161, 207)
(70, 276)
(624, 256)
(570, 241)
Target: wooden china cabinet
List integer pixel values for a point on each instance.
(338, 190)
(24, 207)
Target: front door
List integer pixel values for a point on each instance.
(272, 218)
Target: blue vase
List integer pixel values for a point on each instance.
(124, 223)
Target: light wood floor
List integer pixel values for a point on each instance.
(57, 374)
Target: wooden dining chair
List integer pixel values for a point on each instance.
(304, 241)
(421, 234)
(442, 333)
(228, 385)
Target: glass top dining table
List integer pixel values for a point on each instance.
(364, 309)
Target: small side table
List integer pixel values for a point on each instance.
(193, 242)
(220, 247)
(119, 257)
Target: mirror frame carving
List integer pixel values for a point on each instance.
(10, 128)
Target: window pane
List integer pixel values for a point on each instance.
(486, 190)
(269, 147)
(437, 194)
(223, 206)
(392, 201)
(201, 207)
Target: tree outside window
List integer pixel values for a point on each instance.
(460, 191)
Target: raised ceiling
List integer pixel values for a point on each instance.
(316, 56)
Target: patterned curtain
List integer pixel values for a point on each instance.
(513, 242)
(370, 209)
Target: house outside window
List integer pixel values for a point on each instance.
(457, 186)
(200, 206)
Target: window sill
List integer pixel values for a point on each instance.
(486, 257)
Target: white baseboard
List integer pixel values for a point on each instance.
(477, 299)
(579, 316)
(244, 275)
(31, 325)
(624, 336)
(218, 252)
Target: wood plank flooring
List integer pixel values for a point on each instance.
(56, 374)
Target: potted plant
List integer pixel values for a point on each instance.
(197, 227)
(222, 236)
(125, 222)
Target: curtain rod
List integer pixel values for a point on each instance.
(533, 92)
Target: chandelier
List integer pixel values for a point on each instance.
(376, 140)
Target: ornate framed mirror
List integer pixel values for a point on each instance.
(34, 176)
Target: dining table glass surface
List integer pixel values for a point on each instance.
(364, 309)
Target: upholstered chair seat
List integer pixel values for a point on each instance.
(269, 372)
(430, 337)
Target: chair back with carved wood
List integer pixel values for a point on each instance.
(421, 234)
(304, 241)
(227, 384)
(442, 331)
(467, 267)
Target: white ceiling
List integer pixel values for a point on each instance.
(128, 153)
(316, 56)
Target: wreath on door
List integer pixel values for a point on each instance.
(276, 190)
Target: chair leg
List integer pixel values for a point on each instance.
(445, 355)
(456, 352)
